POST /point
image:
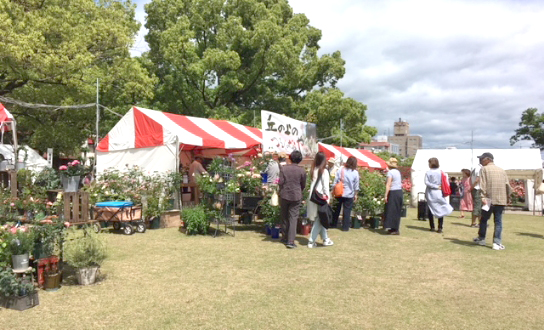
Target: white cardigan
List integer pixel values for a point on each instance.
(322, 187)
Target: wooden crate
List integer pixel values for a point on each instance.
(76, 207)
(171, 219)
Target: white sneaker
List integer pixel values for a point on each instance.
(498, 246)
(328, 242)
(311, 245)
(479, 241)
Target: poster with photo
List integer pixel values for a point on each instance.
(284, 134)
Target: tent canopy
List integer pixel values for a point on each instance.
(153, 140)
(33, 159)
(365, 158)
(5, 115)
(518, 163)
(144, 128)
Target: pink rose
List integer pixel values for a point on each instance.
(67, 224)
(13, 230)
(12, 204)
(75, 162)
(63, 168)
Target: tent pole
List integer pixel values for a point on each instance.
(176, 170)
(97, 138)
(15, 144)
(534, 196)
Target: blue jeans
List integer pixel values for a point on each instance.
(346, 220)
(497, 211)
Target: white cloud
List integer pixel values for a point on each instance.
(447, 67)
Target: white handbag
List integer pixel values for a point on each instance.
(274, 200)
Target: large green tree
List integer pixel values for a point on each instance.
(53, 51)
(531, 127)
(227, 59)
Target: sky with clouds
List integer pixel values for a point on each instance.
(447, 67)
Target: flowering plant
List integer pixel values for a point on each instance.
(407, 188)
(74, 168)
(371, 192)
(20, 240)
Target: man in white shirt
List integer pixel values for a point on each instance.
(476, 196)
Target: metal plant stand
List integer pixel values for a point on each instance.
(228, 202)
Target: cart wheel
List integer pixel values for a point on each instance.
(140, 227)
(128, 230)
(116, 225)
(96, 227)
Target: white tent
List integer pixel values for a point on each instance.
(33, 161)
(523, 164)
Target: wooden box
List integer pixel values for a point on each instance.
(20, 303)
(170, 219)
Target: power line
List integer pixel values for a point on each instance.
(23, 104)
(44, 106)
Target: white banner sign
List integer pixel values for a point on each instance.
(50, 157)
(284, 134)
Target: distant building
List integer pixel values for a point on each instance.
(379, 143)
(408, 144)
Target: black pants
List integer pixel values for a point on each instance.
(346, 222)
(289, 217)
(393, 208)
(431, 220)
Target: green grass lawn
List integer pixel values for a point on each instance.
(419, 280)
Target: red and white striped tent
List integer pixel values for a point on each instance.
(365, 158)
(153, 139)
(5, 116)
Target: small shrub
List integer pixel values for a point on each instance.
(196, 220)
(85, 251)
(11, 285)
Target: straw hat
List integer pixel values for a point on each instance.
(331, 160)
(393, 162)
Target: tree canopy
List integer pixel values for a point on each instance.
(530, 128)
(225, 59)
(52, 53)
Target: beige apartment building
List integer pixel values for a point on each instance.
(408, 144)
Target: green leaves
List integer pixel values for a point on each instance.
(52, 53)
(530, 128)
(218, 58)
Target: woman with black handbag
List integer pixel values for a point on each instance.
(319, 200)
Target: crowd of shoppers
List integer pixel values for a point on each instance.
(484, 191)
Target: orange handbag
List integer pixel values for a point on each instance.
(338, 190)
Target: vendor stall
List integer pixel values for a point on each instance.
(365, 158)
(156, 141)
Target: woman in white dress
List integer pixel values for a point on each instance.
(322, 186)
(438, 206)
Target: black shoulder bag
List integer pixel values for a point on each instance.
(315, 196)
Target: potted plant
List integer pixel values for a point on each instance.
(71, 174)
(48, 236)
(270, 214)
(85, 253)
(371, 195)
(53, 277)
(195, 220)
(16, 292)
(20, 243)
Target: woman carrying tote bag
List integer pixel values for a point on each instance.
(321, 187)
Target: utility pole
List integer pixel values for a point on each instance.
(97, 137)
(341, 132)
